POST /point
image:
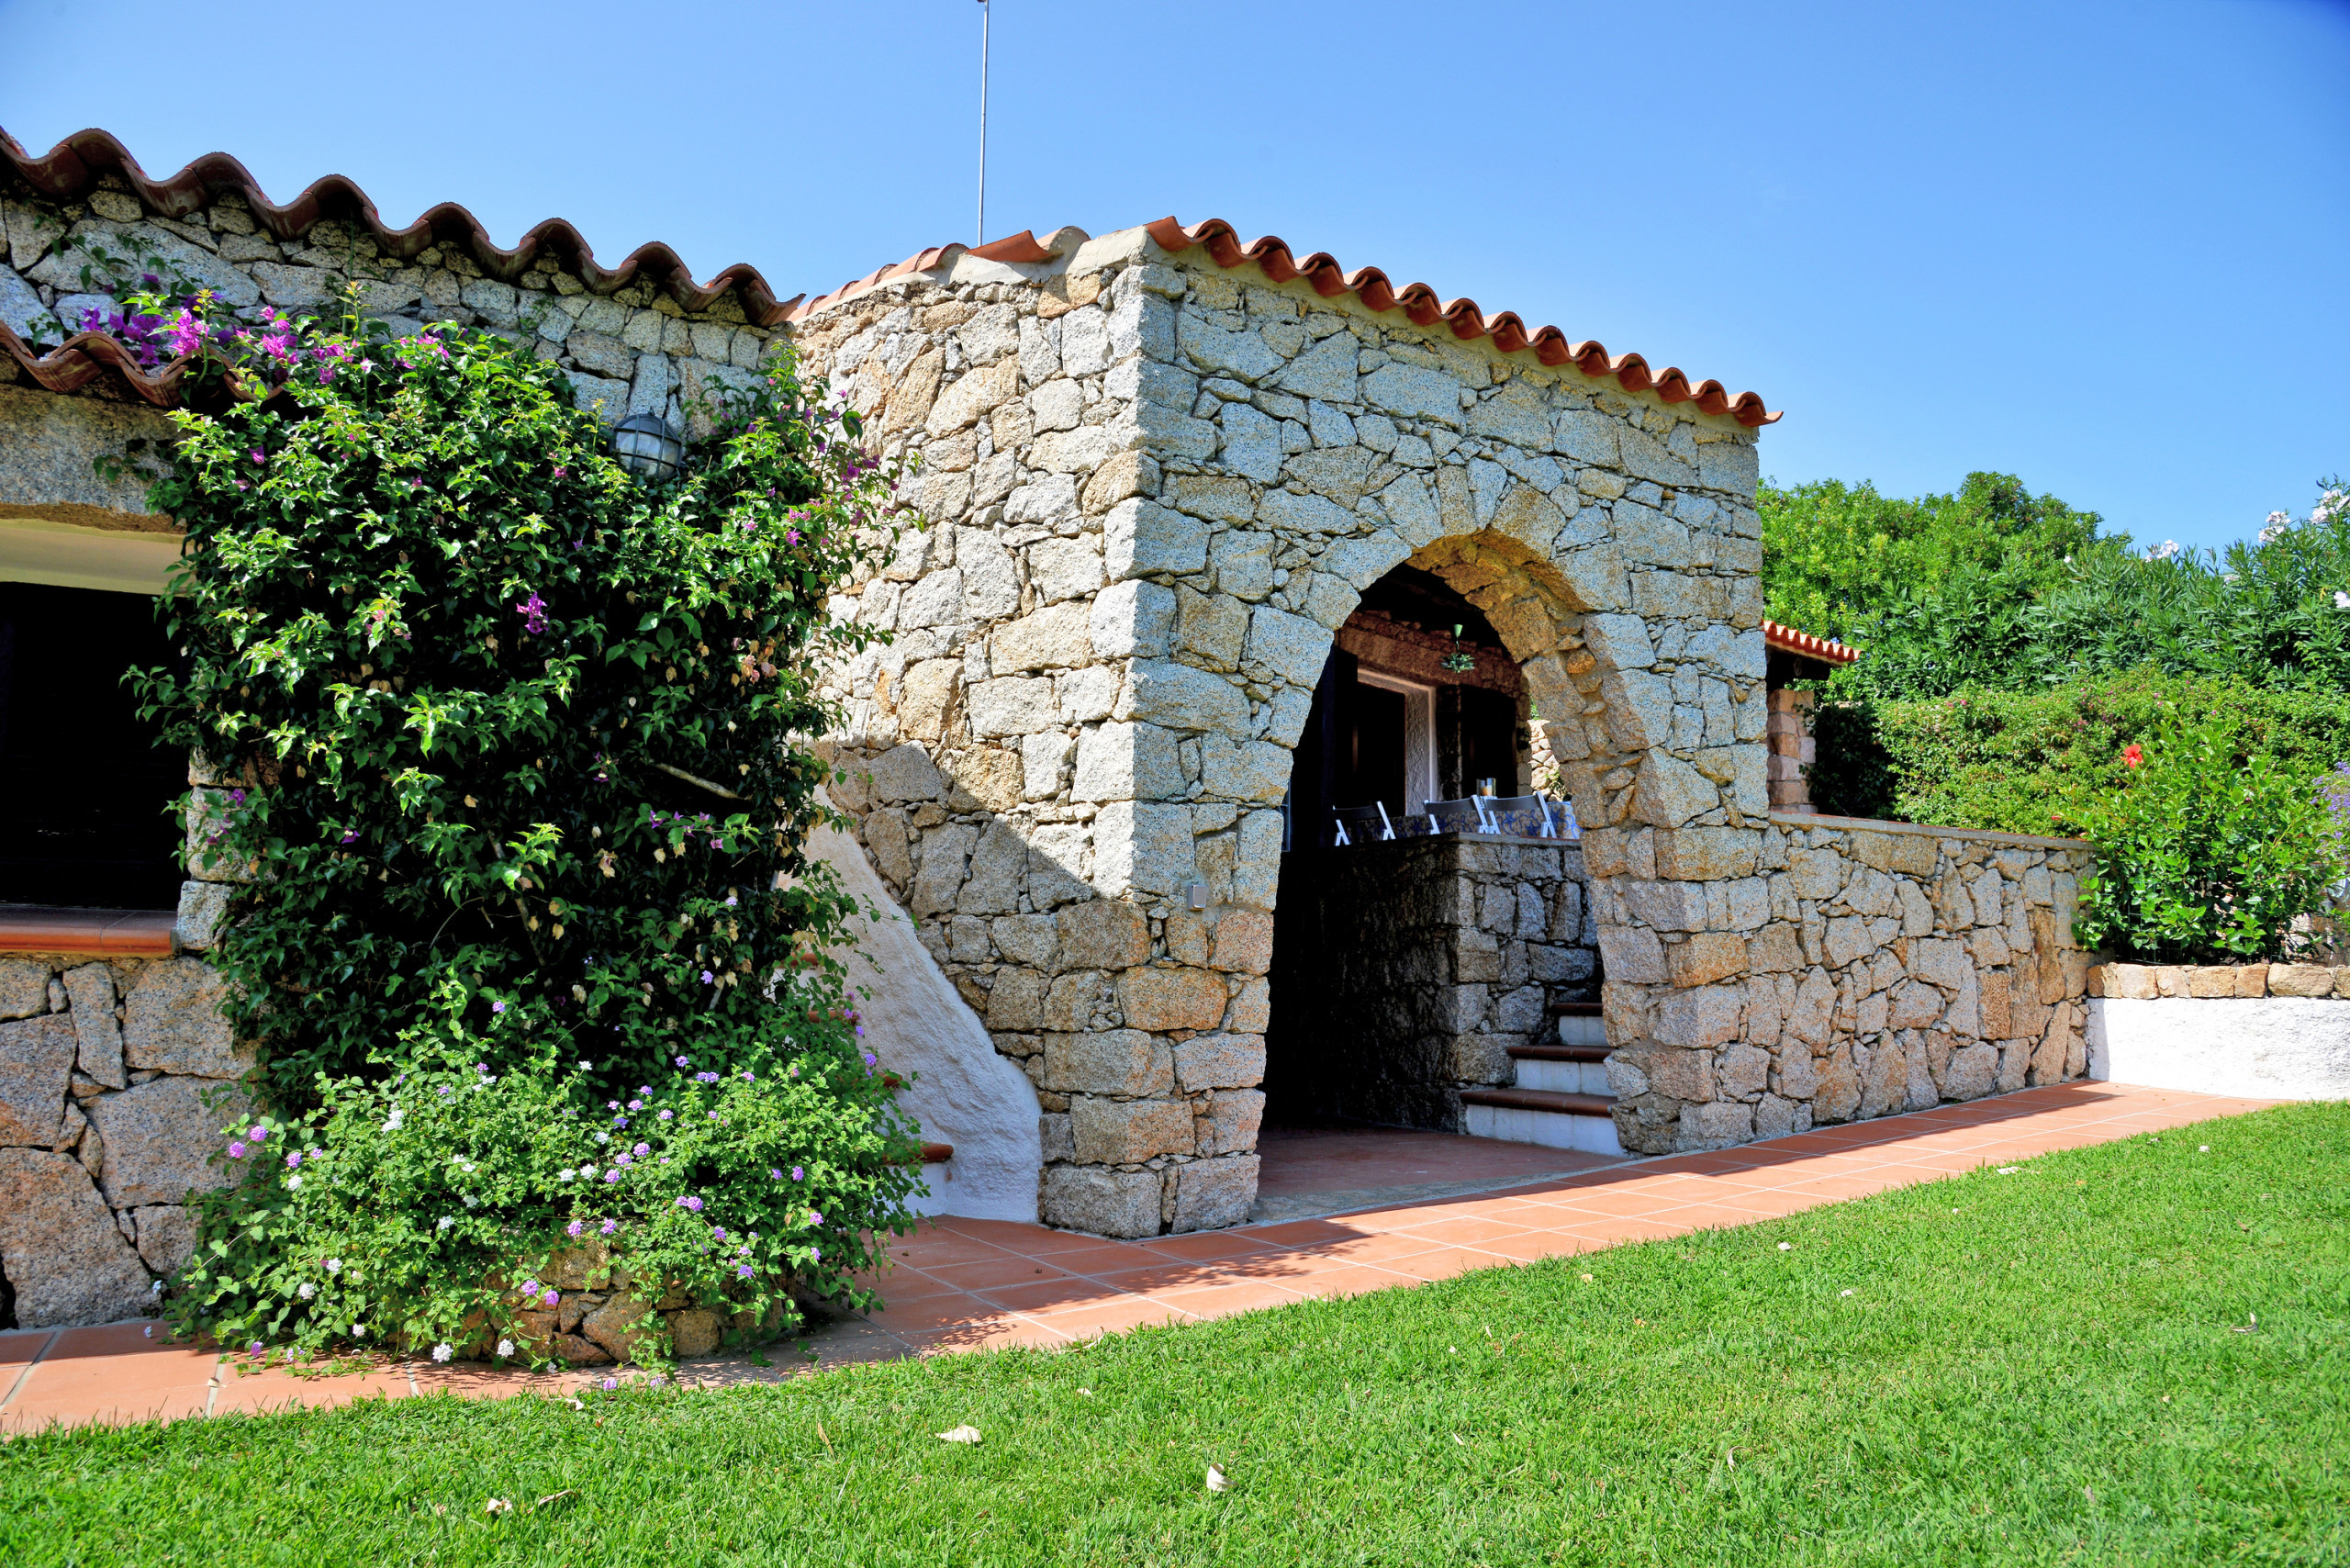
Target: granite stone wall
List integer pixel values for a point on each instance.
(1826, 969)
(1152, 490)
(1408, 969)
(115, 1076)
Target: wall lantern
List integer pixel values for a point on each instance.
(646, 449)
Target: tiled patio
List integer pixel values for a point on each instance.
(973, 1285)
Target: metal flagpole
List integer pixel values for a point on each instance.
(983, 238)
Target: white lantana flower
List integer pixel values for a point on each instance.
(445, 1222)
(392, 1123)
(293, 1180)
(505, 1347)
(307, 1290)
(607, 1138)
(472, 1202)
(443, 1351)
(334, 1265)
(2341, 600)
(359, 1330)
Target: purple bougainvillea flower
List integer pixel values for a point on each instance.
(258, 456)
(534, 611)
(351, 835)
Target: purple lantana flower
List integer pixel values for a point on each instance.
(574, 1228)
(534, 611)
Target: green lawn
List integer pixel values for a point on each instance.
(2037, 1368)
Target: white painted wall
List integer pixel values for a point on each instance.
(2269, 1047)
(964, 1091)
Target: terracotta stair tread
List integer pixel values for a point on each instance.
(1560, 1053)
(1552, 1100)
(1574, 1010)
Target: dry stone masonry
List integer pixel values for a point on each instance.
(1152, 487)
(115, 1076)
(1825, 969)
(1153, 490)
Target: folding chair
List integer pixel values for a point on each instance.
(1370, 821)
(1466, 815)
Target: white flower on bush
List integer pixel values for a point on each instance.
(294, 1181)
(2341, 600)
(2279, 522)
(445, 1222)
(472, 1202)
(359, 1330)
(565, 1174)
(2168, 549)
(392, 1123)
(505, 1347)
(334, 1265)
(307, 1290)
(442, 1353)
(603, 1137)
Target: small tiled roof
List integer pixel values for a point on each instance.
(72, 168)
(1786, 639)
(1320, 269)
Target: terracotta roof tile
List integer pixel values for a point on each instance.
(72, 169)
(1420, 303)
(1786, 639)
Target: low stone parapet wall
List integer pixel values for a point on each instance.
(1831, 969)
(106, 1069)
(2264, 1030)
(1407, 970)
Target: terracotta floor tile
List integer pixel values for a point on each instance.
(1099, 1258)
(19, 1348)
(936, 1246)
(1111, 1317)
(1013, 1234)
(913, 1285)
(1222, 1301)
(931, 1313)
(1046, 1295)
(999, 1332)
(1626, 1228)
(1206, 1246)
(274, 1390)
(1304, 1233)
(1354, 1279)
(1168, 1276)
(1466, 1230)
(1533, 1245)
(993, 1272)
(115, 1375)
(1605, 1202)
(1379, 1249)
(1447, 1261)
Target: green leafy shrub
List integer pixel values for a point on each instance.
(408, 1211)
(2208, 849)
(512, 746)
(2016, 761)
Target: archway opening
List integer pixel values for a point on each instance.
(1406, 969)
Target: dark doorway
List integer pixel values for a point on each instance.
(85, 782)
(1418, 700)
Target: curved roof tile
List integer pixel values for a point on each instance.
(71, 168)
(1786, 639)
(1420, 303)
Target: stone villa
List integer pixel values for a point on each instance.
(1214, 538)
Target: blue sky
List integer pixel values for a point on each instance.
(2101, 247)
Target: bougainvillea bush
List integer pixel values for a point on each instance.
(511, 744)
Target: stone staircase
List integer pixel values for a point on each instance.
(1560, 1097)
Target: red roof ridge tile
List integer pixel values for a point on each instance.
(1421, 305)
(1788, 640)
(73, 166)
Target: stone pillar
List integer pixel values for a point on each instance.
(1792, 749)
